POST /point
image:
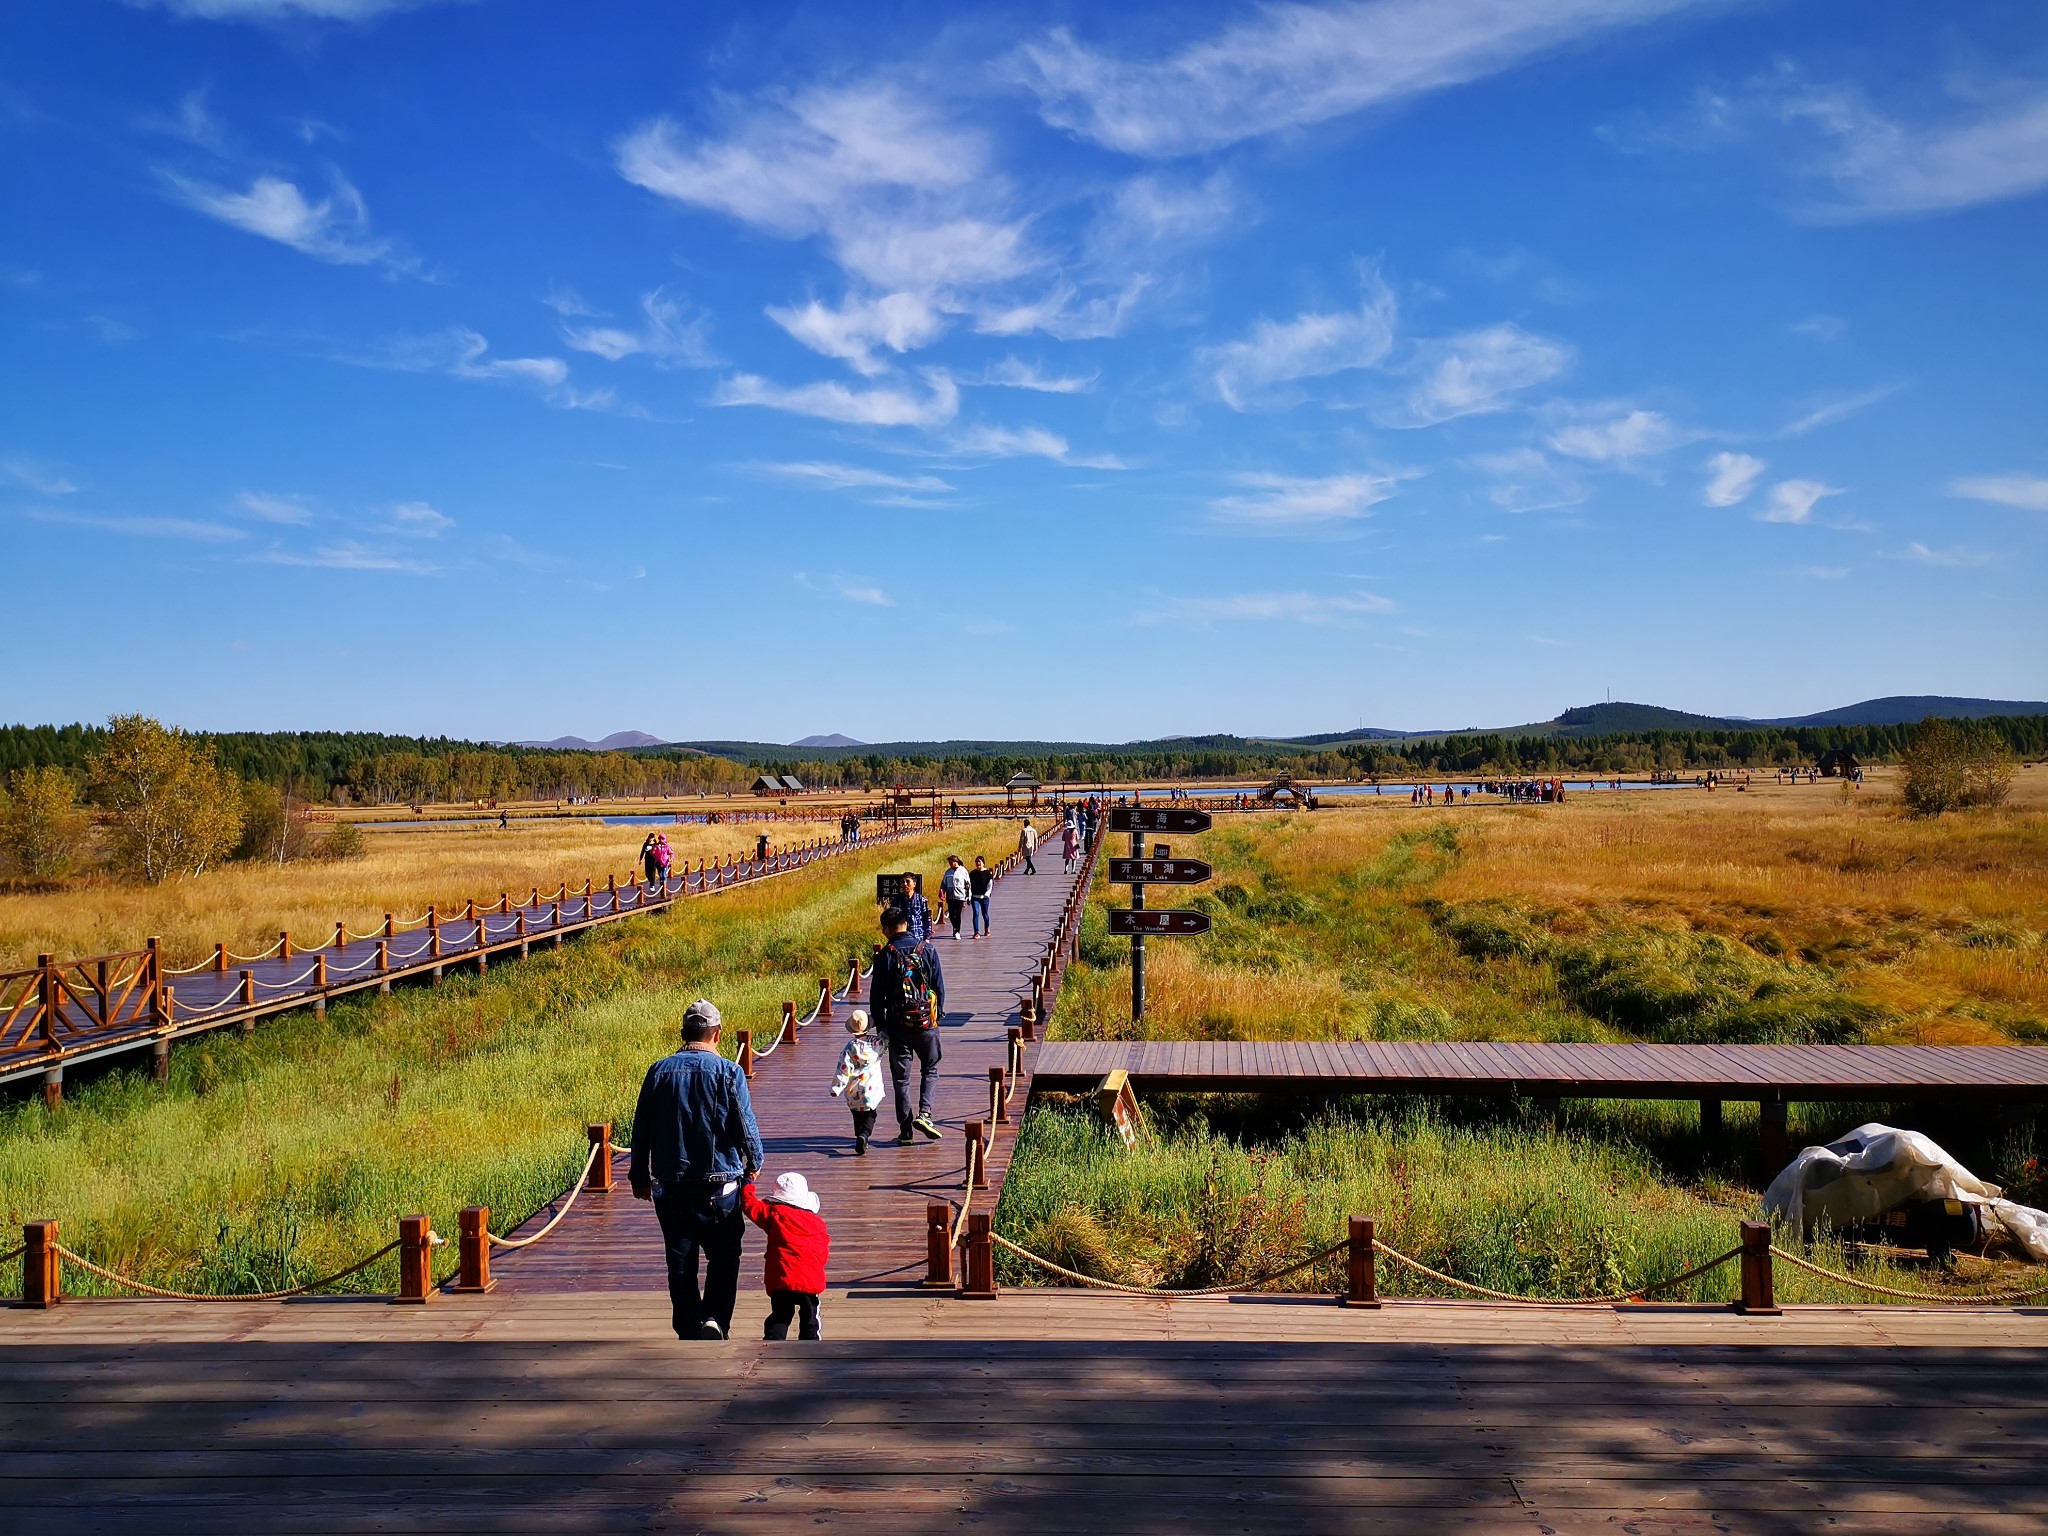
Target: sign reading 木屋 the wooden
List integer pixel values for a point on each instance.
(1165, 923)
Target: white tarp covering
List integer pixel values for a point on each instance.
(1877, 1168)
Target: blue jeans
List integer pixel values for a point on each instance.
(980, 906)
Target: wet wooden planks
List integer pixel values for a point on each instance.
(874, 1205)
(1022, 1435)
(1557, 1069)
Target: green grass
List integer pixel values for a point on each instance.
(1225, 1191)
(273, 1159)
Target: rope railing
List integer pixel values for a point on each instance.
(582, 1181)
(170, 1295)
(1165, 1291)
(1611, 1299)
(1937, 1298)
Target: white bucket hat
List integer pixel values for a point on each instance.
(794, 1189)
(857, 1022)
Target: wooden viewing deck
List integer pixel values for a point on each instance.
(1543, 1069)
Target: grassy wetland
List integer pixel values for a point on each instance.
(1796, 914)
(276, 1158)
(244, 905)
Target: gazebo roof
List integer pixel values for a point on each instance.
(1022, 781)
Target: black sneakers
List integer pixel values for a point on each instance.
(924, 1123)
(860, 1146)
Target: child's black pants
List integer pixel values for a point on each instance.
(783, 1305)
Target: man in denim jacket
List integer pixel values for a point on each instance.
(695, 1145)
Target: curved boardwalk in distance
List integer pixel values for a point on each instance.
(874, 1205)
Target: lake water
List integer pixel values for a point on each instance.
(1572, 786)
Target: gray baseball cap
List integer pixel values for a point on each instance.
(703, 1011)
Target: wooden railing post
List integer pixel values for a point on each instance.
(415, 1259)
(998, 1107)
(979, 1283)
(248, 988)
(474, 1276)
(154, 980)
(853, 980)
(745, 1054)
(284, 944)
(383, 965)
(1016, 1051)
(938, 1244)
(42, 1267)
(390, 926)
(220, 955)
(1027, 1017)
(601, 1169)
(341, 935)
(1759, 1294)
(1361, 1281)
(977, 1154)
(319, 986)
(789, 1024)
(824, 998)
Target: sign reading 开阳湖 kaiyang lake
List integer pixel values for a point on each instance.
(1158, 871)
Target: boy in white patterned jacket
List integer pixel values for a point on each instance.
(860, 1070)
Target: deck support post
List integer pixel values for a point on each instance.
(1777, 1146)
(42, 1267)
(1759, 1295)
(415, 1259)
(601, 1170)
(474, 1277)
(53, 1087)
(1361, 1282)
(979, 1281)
(384, 966)
(1710, 1123)
(160, 1061)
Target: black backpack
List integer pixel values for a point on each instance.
(905, 996)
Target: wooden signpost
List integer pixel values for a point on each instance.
(1138, 871)
(1117, 1102)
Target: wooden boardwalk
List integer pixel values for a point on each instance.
(1035, 1414)
(875, 1205)
(1767, 1073)
(74, 1011)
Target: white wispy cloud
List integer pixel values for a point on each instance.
(44, 482)
(1312, 345)
(902, 322)
(1155, 213)
(1839, 408)
(1477, 372)
(1525, 480)
(1730, 478)
(1011, 373)
(1287, 65)
(1819, 327)
(287, 10)
(416, 519)
(1342, 609)
(670, 335)
(853, 589)
(1821, 572)
(905, 197)
(195, 122)
(845, 477)
(986, 442)
(334, 228)
(1277, 502)
(1793, 501)
(2027, 492)
(272, 508)
(194, 530)
(883, 406)
(348, 555)
(1958, 558)
(463, 354)
(1617, 435)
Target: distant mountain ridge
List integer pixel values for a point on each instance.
(618, 741)
(833, 740)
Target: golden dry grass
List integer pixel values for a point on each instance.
(245, 905)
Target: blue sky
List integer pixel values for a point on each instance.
(502, 368)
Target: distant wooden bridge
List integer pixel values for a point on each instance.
(65, 1012)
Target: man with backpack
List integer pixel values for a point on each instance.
(908, 993)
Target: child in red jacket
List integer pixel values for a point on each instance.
(798, 1245)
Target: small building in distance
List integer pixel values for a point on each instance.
(1838, 763)
(767, 784)
(1285, 791)
(792, 784)
(1020, 782)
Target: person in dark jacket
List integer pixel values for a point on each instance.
(695, 1144)
(914, 910)
(906, 991)
(798, 1246)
